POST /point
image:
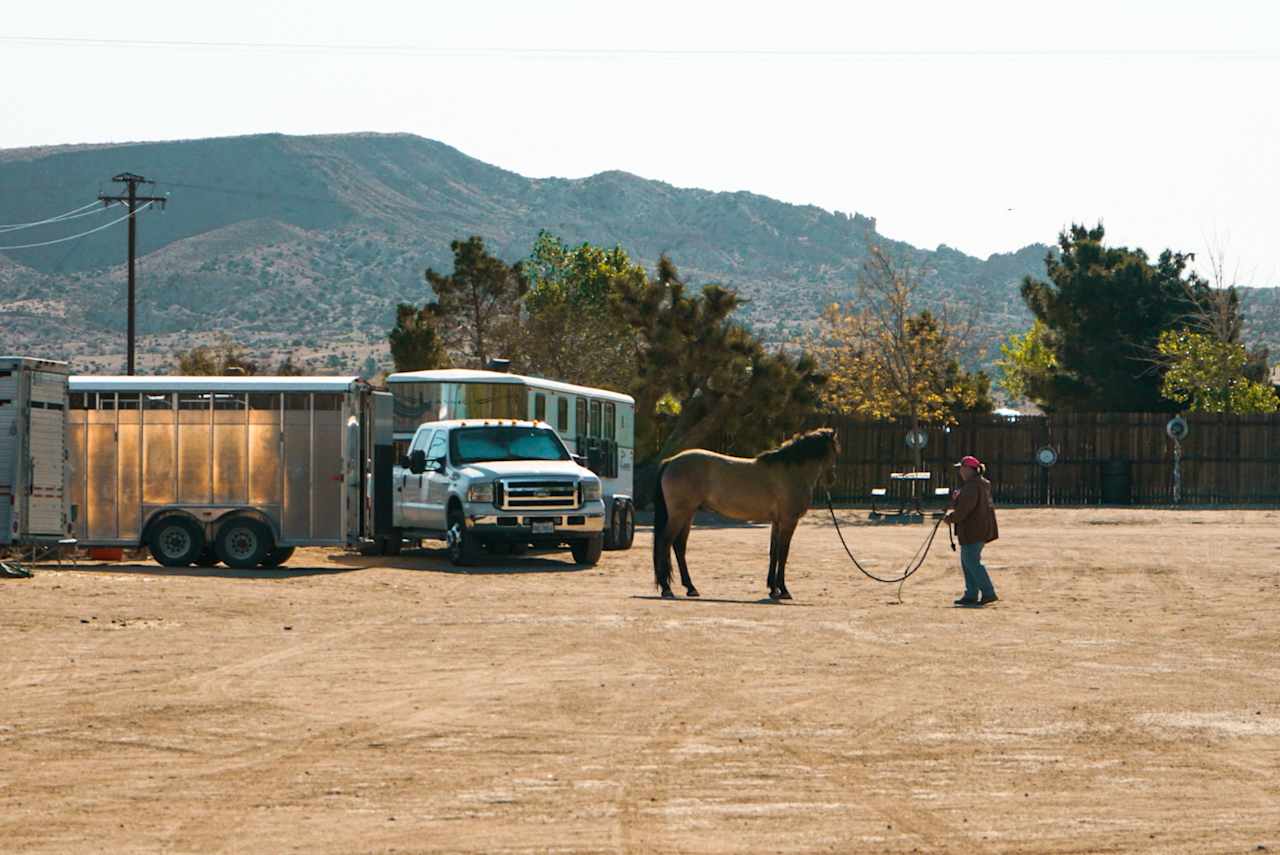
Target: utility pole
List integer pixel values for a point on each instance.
(132, 201)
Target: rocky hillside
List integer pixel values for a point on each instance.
(304, 245)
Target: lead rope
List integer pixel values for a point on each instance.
(914, 564)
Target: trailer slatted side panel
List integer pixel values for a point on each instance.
(8, 461)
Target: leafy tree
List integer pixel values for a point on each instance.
(1104, 309)
(1209, 375)
(416, 341)
(289, 368)
(703, 380)
(480, 298)
(571, 326)
(887, 360)
(1028, 364)
(224, 356)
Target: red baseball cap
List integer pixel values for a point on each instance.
(970, 461)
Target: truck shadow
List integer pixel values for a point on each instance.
(437, 561)
(220, 572)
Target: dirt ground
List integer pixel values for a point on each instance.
(1123, 697)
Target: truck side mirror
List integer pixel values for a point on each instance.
(579, 459)
(418, 462)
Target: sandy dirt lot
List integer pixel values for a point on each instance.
(1123, 697)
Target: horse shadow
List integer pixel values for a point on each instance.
(762, 601)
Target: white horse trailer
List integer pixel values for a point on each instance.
(33, 400)
(595, 424)
(234, 469)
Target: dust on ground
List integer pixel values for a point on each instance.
(1121, 698)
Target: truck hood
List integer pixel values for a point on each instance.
(525, 468)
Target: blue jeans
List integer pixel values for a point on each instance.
(975, 575)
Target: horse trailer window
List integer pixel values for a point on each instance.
(264, 401)
(540, 407)
(297, 401)
(193, 401)
(580, 416)
(157, 401)
(562, 414)
(610, 423)
(229, 401)
(327, 401)
(106, 400)
(80, 400)
(130, 401)
(595, 419)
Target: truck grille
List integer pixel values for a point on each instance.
(538, 495)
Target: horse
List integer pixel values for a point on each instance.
(775, 486)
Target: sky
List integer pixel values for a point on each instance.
(982, 126)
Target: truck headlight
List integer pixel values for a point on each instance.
(590, 491)
(480, 492)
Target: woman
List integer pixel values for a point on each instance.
(974, 517)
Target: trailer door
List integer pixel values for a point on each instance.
(46, 512)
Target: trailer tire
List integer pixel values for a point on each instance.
(243, 543)
(588, 551)
(277, 556)
(389, 544)
(176, 541)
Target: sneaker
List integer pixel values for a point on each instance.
(986, 601)
(967, 601)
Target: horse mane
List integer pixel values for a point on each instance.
(801, 448)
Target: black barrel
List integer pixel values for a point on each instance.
(1117, 482)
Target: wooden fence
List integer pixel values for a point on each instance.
(1103, 458)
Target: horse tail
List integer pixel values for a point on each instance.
(661, 548)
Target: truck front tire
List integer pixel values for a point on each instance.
(588, 551)
(464, 546)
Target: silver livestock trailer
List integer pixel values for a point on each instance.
(33, 400)
(234, 469)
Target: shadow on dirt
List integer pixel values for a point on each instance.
(437, 561)
(763, 601)
(286, 572)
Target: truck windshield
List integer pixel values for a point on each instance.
(479, 444)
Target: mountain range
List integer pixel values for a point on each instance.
(304, 245)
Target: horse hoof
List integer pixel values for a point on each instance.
(784, 595)
(691, 592)
(667, 595)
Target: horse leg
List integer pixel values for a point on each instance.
(681, 541)
(786, 530)
(773, 559)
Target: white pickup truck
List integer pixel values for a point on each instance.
(497, 487)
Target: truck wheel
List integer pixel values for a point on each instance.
(207, 557)
(243, 543)
(464, 547)
(176, 541)
(588, 551)
(622, 527)
(278, 556)
(627, 527)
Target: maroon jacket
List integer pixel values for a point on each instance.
(974, 514)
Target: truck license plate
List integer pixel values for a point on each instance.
(543, 527)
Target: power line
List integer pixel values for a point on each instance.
(67, 215)
(72, 237)
(427, 50)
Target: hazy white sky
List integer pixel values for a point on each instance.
(985, 126)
